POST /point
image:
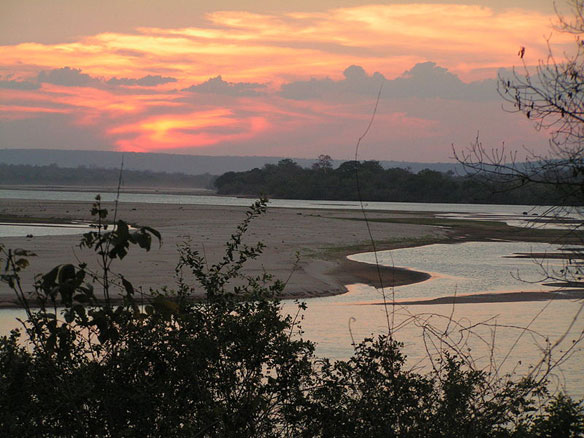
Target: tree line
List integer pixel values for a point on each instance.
(14, 174)
(369, 181)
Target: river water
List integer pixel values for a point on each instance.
(153, 198)
(494, 332)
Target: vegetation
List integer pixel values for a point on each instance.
(231, 365)
(288, 180)
(551, 96)
(16, 174)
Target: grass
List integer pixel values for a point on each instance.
(336, 252)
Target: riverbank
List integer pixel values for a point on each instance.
(174, 190)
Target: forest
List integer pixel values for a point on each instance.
(369, 181)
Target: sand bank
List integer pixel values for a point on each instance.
(318, 237)
(500, 297)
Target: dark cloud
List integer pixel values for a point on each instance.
(146, 81)
(428, 80)
(355, 80)
(19, 85)
(74, 77)
(67, 76)
(424, 80)
(217, 85)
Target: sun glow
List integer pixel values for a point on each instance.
(255, 54)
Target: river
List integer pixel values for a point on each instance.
(498, 337)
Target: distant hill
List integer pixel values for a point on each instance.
(188, 164)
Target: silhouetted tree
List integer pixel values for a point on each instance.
(552, 97)
(323, 164)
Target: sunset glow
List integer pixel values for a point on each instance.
(239, 80)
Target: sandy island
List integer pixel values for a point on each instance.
(306, 248)
(318, 237)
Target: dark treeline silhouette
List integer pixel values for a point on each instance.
(55, 175)
(289, 180)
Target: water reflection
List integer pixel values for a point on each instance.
(334, 326)
(40, 229)
(469, 267)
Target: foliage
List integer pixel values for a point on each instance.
(288, 180)
(374, 394)
(169, 367)
(562, 417)
(229, 365)
(551, 95)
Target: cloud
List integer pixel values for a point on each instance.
(355, 80)
(67, 77)
(423, 80)
(271, 48)
(19, 85)
(428, 80)
(146, 81)
(217, 85)
(52, 131)
(130, 53)
(74, 77)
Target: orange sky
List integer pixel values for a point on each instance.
(270, 82)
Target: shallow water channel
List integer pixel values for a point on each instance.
(506, 337)
(8, 229)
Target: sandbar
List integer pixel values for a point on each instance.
(499, 297)
(305, 248)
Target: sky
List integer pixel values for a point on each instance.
(258, 77)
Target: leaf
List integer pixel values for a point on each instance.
(142, 239)
(66, 273)
(165, 306)
(21, 263)
(122, 230)
(154, 232)
(128, 286)
(23, 252)
(51, 342)
(81, 298)
(69, 315)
